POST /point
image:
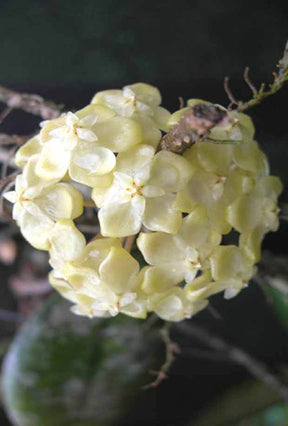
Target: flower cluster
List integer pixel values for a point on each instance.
(180, 205)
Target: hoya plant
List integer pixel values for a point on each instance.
(180, 200)
(175, 184)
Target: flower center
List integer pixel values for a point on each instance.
(135, 189)
(193, 260)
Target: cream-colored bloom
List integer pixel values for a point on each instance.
(111, 146)
(101, 278)
(222, 173)
(142, 192)
(184, 254)
(83, 144)
(140, 102)
(255, 214)
(37, 205)
(173, 305)
(231, 270)
(26, 151)
(257, 208)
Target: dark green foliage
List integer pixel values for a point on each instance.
(68, 370)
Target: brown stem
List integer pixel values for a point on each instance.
(171, 350)
(279, 80)
(13, 139)
(33, 104)
(128, 245)
(5, 113)
(229, 92)
(238, 355)
(9, 178)
(248, 81)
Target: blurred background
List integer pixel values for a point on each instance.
(66, 51)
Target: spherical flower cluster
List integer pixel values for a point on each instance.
(180, 205)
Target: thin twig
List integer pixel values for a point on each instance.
(5, 113)
(128, 245)
(9, 178)
(279, 78)
(255, 367)
(6, 158)
(181, 102)
(13, 139)
(172, 349)
(33, 104)
(229, 92)
(248, 81)
(9, 161)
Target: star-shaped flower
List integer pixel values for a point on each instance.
(142, 192)
(37, 205)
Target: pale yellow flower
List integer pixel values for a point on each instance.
(101, 277)
(184, 254)
(142, 192)
(173, 305)
(141, 102)
(255, 214)
(231, 270)
(26, 151)
(38, 205)
(222, 173)
(84, 144)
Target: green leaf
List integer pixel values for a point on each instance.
(68, 370)
(238, 406)
(276, 415)
(273, 274)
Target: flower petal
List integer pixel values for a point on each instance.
(161, 215)
(196, 230)
(49, 126)
(25, 152)
(155, 279)
(161, 117)
(36, 229)
(146, 93)
(170, 171)
(53, 161)
(67, 243)
(118, 133)
(96, 251)
(135, 159)
(88, 114)
(62, 286)
(61, 201)
(229, 262)
(10, 196)
(119, 270)
(215, 158)
(159, 248)
(151, 135)
(119, 220)
(86, 135)
(88, 163)
(249, 157)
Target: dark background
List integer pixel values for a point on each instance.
(67, 50)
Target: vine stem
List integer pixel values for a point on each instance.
(237, 355)
(128, 245)
(258, 96)
(33, 104)
(171, 350)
